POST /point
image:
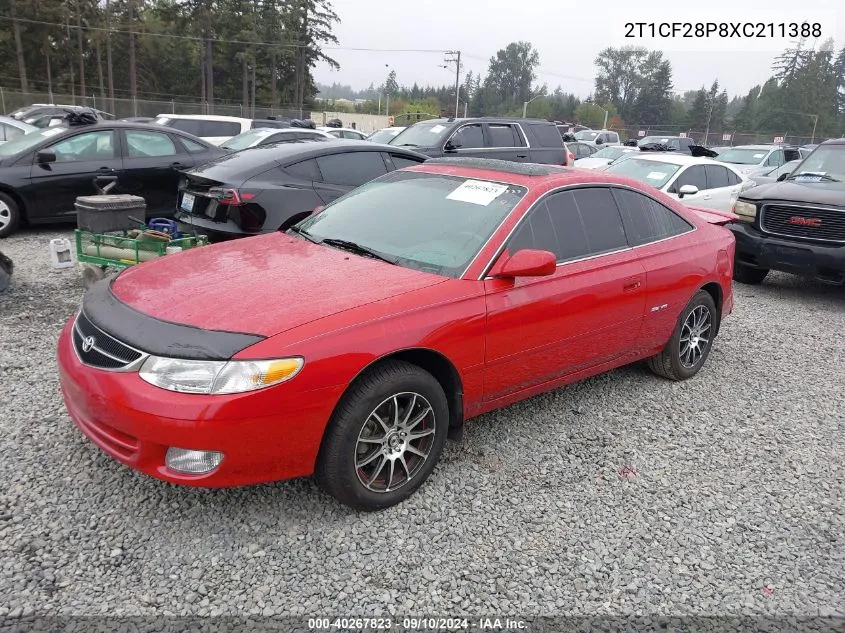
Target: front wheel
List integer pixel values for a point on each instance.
(691, 342)
(384, 438)
(10, 215)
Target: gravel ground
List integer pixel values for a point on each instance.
(624, 494)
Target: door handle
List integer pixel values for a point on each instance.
(105, 170)
(632, 285)
(707, 197)
(522, 155)
(176, 165)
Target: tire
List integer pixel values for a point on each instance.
(678, 360)
(10, 215)
(745, 274)
(360, 460)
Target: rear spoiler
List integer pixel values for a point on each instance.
(712, 216)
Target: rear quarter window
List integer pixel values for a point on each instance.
(546, 135)
(220, 128)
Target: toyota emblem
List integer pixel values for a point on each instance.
(88, 343)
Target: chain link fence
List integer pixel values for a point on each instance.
(721, 138)
(121, 108)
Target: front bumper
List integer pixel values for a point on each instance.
(754, 248)
(265, 435)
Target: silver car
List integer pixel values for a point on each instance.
(754, 159)
(11, 129)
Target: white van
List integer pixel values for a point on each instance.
(216, 129)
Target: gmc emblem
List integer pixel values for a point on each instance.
(813, 222)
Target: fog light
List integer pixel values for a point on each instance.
(185, 460)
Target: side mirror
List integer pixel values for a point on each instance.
(451, 146)
(599, 141)
(687, 190)
(45, 156)
(782, 177)
(526, 263)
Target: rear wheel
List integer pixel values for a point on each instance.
(745, 274)
(384, 438)
(691, 342)
(10, 215)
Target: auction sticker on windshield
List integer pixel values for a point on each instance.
(477, 192)
(656, 175)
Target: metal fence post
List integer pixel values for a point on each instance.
(2, 99)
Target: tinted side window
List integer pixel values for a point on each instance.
(691, 176)
(646, 220)
(403, 161)
(600, 219)
(220, 128)
(88, 146)
(733, 179)
(545, 135)
(537, 231)
(192, 146)
(354, 168)
(142, 144)
(191, 126)
(503, 135)
(469, 136)
(717, 176)
(306, 169)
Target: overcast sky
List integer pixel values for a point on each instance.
(568, 36)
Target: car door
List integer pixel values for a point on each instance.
(504, 142)
(664, 243)
(693, 175)
(343, 172)
(80, 160)
(150, 165)
(588, 312)
(467, 140)
(722, 193)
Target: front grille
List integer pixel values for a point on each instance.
(808, 223)
(98, 349)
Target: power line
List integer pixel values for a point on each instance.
(222, 41)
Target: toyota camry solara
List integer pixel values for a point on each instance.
(351, 346)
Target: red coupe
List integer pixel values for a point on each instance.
(353, 345)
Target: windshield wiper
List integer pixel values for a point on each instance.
(407, 145)
(304, 233)
(814, 175)
(352, 247)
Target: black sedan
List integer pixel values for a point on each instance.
(270, 188)
(42, 173)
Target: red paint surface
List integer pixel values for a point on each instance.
(508, 339)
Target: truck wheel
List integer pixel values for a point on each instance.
(745, 274)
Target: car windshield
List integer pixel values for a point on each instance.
(248, 139)
(429, 222)
(609, 152)
(652, 172)
(28, 141)
(743, 156)
(383, 136)
(426, 134)
(826, 163)
(586, 135)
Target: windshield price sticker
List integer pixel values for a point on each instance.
(655, 175)
(808, 178)
(477, 192)
(437, 129)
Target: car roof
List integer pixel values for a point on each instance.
(295, 152)
(833, 141)
(678, 158)
(204, 117)
(326, 128)
(484, 119)
(8, 120)
(529, 175)
(761, 146)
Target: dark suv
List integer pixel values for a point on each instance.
(796, 224)
(519, 140)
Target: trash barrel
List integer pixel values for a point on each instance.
(104, 213)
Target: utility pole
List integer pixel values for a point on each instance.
(455, 58)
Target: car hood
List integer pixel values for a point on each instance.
(261, 285)
(829, 193)
(592, 163)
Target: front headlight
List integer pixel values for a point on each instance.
(218, 377)
(745, 210)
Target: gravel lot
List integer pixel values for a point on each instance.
(624, 494)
